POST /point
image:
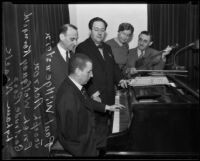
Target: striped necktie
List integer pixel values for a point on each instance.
(84, 93)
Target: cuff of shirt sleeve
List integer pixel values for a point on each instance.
(96, 94)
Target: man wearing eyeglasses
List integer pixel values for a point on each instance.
(106, 74)
(119, 44)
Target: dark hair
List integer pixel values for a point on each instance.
(148, 34)
(126, 26)
(96, 19)
(64, 28)
(78, 60)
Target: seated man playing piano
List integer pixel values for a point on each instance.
(143, 57)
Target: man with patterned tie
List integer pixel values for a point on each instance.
(75, 109)
(53, 70)
(106, 74)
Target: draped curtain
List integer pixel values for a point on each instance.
(28, 30)
(177, 23)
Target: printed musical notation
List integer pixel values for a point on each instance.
(148, 80)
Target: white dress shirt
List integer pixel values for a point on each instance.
(76, 83)
(63, 52)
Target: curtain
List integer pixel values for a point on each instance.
(177, 23)
(28, 30)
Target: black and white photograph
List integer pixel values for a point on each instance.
(100, 81)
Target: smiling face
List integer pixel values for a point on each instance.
(144, 41)
(124, 36)
(98, 32)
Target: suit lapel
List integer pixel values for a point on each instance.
(60, 59)
(96, 53)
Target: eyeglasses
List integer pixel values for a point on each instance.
(98, 29)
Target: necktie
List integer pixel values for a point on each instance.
(100, 47)
(84, 93)
(142, 54)
(70, 54)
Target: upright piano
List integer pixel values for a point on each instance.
(160, 121)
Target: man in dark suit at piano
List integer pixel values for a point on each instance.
(75, 109)
(143, 57)
(106, 74)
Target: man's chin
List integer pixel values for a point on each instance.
(140, 48)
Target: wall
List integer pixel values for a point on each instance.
(114, 14)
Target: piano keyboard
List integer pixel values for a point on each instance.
(121, 118)
(116, 121)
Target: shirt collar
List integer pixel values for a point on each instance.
(139, 52)
(62, 51)
(76, 83)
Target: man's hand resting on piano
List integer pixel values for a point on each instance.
(115, 107)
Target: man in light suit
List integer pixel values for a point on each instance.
(53, 70)
(75, 109)
(145, 52)
(106, 75)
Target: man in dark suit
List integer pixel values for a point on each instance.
(53, 70)
(75, 109)
(106, 74)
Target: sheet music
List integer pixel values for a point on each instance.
(148, 80)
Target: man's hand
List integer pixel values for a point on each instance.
(133, 70)
(123, 83)
(97, 98)
(115, 107)
(166, 52)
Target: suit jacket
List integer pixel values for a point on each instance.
(106, 72)
(133, 57)
(53, 70)
(75, 120)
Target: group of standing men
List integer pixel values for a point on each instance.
(83, 117)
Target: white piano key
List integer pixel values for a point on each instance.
(116, 121)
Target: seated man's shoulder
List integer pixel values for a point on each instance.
(152, 50)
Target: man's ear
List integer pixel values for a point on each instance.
(150, 43)
(61, 36)
(77, 71)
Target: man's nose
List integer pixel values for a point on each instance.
(91, 75)
(75, 42)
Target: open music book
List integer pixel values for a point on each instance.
(148, 80)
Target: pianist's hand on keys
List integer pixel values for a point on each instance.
(115, 107)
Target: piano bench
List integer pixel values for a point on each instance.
(57, 150)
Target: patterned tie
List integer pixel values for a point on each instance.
(142, 54)
(84, 93)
